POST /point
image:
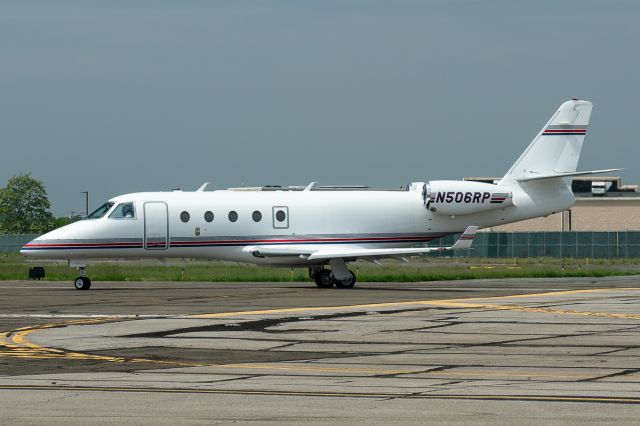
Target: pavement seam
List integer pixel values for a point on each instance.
(380, 395)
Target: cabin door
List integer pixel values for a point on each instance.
(156, 226)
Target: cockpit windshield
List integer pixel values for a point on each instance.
(123, 211)
(100, 211)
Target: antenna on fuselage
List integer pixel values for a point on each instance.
(203, 187)
(310, 186)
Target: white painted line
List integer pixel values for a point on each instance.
(81, 316)
(35, 288)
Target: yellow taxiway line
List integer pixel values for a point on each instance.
(463, 303)
(15, 344)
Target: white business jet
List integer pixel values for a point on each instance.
(316, 227)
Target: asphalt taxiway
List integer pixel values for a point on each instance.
(483, 351)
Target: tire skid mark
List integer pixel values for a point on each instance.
(379, 395)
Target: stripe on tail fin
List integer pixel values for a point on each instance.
(562, 130)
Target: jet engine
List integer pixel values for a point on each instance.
(450, 197)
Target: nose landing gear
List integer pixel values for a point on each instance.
(82, 282)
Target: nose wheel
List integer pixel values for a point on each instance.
(82, 283)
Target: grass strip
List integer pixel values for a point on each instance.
(15, 267)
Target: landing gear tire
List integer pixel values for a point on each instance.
(82, 283)
(348, 282)
(324, 278)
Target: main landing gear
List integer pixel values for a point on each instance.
(324, 278)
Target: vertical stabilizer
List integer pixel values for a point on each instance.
(556, 148)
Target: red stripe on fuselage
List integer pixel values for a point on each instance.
(236, 242)
(71, 245)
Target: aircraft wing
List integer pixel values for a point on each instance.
(320, 252)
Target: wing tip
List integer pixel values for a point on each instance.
(466, 239)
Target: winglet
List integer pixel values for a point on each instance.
(466, 239)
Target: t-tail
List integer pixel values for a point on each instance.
(555, 151)
(538, 183)
(541, 177)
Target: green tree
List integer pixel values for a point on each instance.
(24, 206)
(65, 220)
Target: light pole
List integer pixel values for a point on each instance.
(86, 203)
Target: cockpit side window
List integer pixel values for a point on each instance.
(123, 211)
(100, 211)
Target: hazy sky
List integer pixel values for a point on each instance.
(123, 96)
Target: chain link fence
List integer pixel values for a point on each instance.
(607, 245)
(13, 243)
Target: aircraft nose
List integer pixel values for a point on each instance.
(30, 247)
(38, 246)
(53, 244)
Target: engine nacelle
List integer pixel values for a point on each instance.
(452, 197)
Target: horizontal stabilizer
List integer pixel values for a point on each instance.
(562, 175)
